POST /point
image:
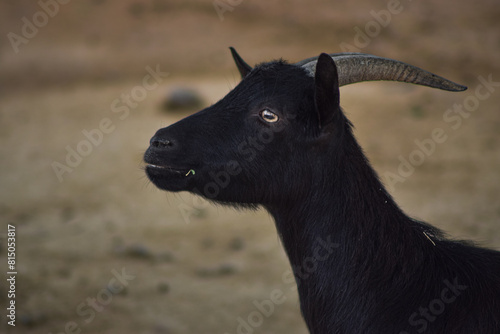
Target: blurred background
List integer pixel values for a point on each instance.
(84, 86)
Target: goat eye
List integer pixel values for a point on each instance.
(269, 116)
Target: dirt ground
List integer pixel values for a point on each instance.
(101, 250)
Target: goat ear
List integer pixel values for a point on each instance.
(243, 67)
(326, 93)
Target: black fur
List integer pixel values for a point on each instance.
(361, 264)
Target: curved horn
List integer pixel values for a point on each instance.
(358, 67)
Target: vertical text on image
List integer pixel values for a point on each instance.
(11, 274)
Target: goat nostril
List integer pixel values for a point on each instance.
(161, 143)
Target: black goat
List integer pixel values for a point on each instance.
(281, 141)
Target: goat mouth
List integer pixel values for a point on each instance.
(170, 178)
(169, 169)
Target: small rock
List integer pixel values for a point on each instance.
(135, 251)
(163, 287)
(64, 272)
(222, 270)
(227, 269)
(182, 99)
(236, 244)
(31, 319)
(417, 111)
